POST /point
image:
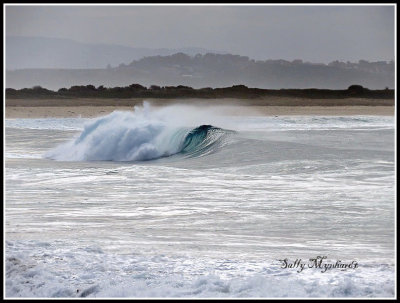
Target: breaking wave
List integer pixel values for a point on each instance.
(138, 136)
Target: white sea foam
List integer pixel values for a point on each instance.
(42, 269)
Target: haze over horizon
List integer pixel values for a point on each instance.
(312, 33)
(54, 46)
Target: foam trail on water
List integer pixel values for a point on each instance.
(142, 134)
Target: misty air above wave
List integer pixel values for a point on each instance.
(141, 135)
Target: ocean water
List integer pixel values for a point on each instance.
(184, 202)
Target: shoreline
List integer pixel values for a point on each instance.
(234, 110)
(94, 107)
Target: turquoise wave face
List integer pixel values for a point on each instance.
(203, 140)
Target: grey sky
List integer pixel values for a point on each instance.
(311, 33)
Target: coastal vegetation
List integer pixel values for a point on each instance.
(181, 91)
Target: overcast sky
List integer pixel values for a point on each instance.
(311, 33)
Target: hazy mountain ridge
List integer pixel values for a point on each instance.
(214, 70)
(40, 52)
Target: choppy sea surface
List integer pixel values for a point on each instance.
(180, 202)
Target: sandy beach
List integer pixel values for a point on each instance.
(42, 108)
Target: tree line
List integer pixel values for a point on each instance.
(181, 91)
